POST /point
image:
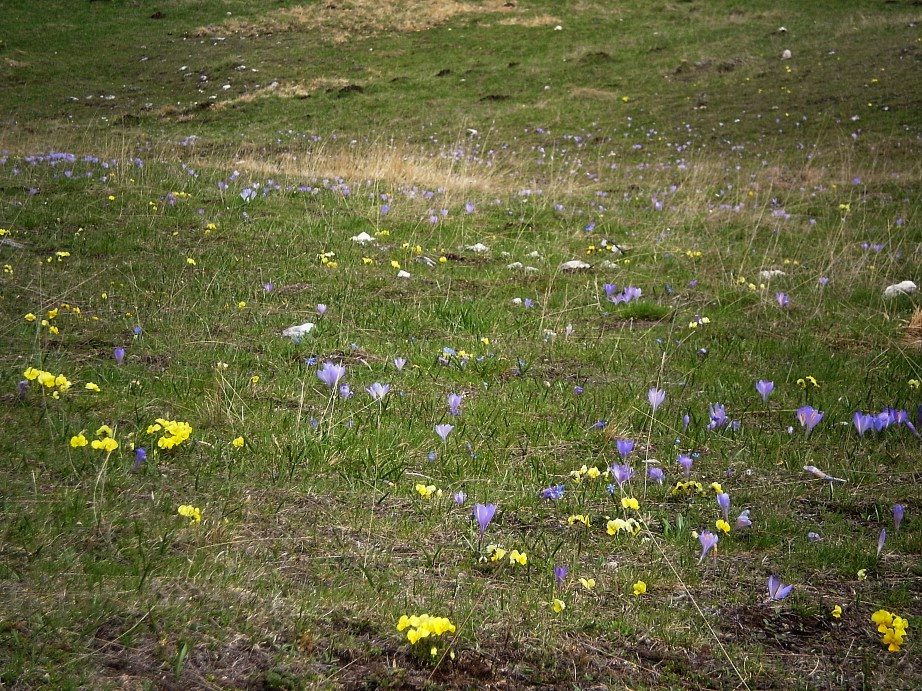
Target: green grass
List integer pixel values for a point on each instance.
(314, 540)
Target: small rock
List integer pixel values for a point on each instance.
(362, 238)
(515, 266)
(575, 265)
(901, 288)
(296, 333)
(479, 248)
(403, 274)
(786, 54)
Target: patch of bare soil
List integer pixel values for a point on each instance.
(345, 20)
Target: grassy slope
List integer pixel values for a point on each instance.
(314, 540)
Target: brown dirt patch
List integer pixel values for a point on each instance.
(344, 20)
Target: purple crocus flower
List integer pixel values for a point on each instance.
(686, 419)
(400, 363)
(459, 498)
(119, 355)
(248, 194)
(330, 373)
(809, 417)
(554, 492)
(723, 501)
(813, 537)
(862, 422)
(656, 474)
(378, 391)
(776, 591)
(765, 389)
(621, 474)
(718, 415)
(708, 540)
(625, 446)
(610, 289)
(743, 521)
(656, 397)
(898, 512)
(454, 404)
(268, 287)
(321, 309)
(783, 300)
(483, 514)
(882, 538)
(140, 455)
(345, 391)
(560, 573)
(443, 431)
(21, 388)
(686, 463)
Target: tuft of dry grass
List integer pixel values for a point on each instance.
(390, 163)
(912, 334)
(351, 19)
(284, 90)
(534, 21)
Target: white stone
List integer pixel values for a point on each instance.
(403, 274)
(479, 248)
(786, 54)
(901, 288)
(296, 333)
(515, 265)
(575, 265)
(362, 238)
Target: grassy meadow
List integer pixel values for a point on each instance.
(590, 284)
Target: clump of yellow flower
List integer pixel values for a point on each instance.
(558, 605)
(191, 512)
(803, 381)
(722, 525)
(630, 503)
(616, 525)
(687, 487)
(579, 518)
(592, 473)
(78, 440)
(421, 626)
(587, 583)
(428, 491)
(640, 588)
(174, 432)
(893, 628)
(107, 444)
(238, 442)
(837, 612)
(496, 552)
(517, 557)
(90, 386)
(47, 379)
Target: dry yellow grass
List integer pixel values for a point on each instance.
(284, 90)
(349, 19)
(388, 163)
(912, 335)
(534, 21)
